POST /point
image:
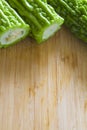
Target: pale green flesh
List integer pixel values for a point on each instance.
(50, 31)
(11, 36)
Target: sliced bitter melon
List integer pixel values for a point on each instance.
(12, 27)
(41, 17)
(75, 14)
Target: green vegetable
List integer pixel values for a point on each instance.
(41, 17)
(44, 1)
(12, 27)
(75, 14)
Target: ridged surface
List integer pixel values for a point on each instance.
(36, 13)
(10, 20)
(8, 17)
(75, 14)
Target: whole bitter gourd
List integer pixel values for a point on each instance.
(41, 17)
(75, 14)
(12, 27)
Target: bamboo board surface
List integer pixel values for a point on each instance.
(44, 87)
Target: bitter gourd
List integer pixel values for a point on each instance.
(75, 14)
(44, 1)
(41, 17)
(12, 27)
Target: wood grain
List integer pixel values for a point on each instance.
(44, 87)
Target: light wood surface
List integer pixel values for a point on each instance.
(44, 87)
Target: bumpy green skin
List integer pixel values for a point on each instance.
(44, 1)
(75, 14)
(38, 14)
(9, 19)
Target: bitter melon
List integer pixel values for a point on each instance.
(41, 17)
(12, 27)
(75, 14)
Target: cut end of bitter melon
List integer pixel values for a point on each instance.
(12, 36)
(41, 17)
(50, 31)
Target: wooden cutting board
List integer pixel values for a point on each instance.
(44, 87)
